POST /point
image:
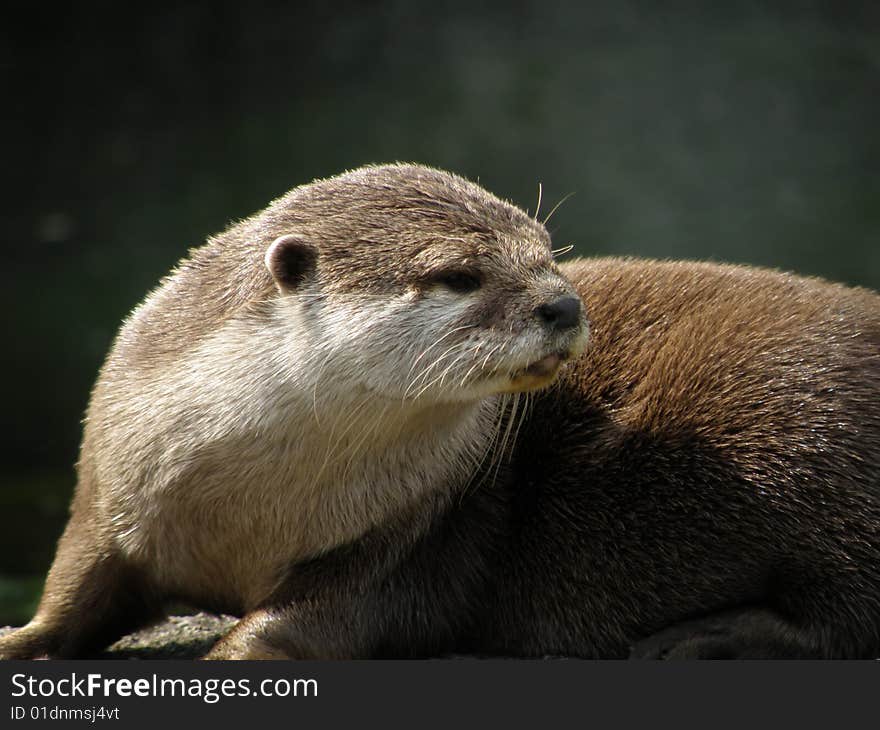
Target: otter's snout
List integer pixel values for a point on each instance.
(561, 314)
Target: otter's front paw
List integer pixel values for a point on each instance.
(682, 642)
(739, 634)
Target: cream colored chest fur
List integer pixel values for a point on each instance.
(229, 466)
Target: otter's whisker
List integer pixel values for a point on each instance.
(442, 375)
(423, 375)
(315, 387)
(502, 449)
(555, 208)
(562, 250)
(362, 442)
(455, 363)
(491, 352)
(514, 409)
(473, 367)
(522, 418)
(490, 448)
(437, 342)
(334, 445)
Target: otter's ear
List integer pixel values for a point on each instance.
(290, 260)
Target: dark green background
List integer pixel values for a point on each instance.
(742, 132)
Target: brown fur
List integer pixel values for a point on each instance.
(703, 481)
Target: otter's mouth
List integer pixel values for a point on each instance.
(544, 367)
(542, 370)
(537, 375)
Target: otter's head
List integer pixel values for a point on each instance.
(413, 283)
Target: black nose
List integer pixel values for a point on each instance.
(561, 314)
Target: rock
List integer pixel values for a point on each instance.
(177, 637)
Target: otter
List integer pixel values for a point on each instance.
(379, 419)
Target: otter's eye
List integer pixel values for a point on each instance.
(461, 282)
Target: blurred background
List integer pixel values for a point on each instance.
(743, 131)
